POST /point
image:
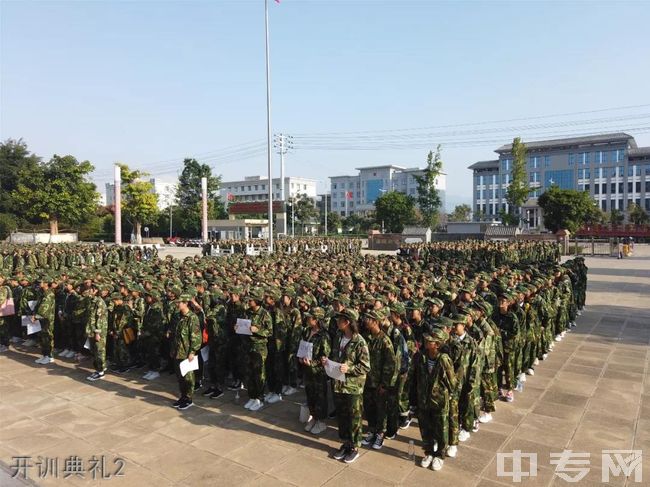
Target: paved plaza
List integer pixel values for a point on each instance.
(593, 393)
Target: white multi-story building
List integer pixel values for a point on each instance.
(357, 194)
(166, 192)
(254, 188)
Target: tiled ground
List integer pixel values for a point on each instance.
(593, 393)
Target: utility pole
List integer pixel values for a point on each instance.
(204, 209)
(118, 204)
(268, 124)
(326, 205)
(283, 143)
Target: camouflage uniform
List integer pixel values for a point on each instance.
(314, 375)
(380, 380)
(348, 394)
(186, 340)
(45, 314)
(257, 351)
(97, 324)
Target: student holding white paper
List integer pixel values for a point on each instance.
(315, 377)
(186, 343)
(45, 314)
(351, 351)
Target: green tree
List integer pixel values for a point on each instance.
(637, 215)
(429, 201)
(57, 191)
(566, 208)
(333, 221)
(139, 202)
(304, 212)
(461, 213)
(8, 224)
(616, 217)
(518, 191)
(188, 194)
(14, 159)
(395, 210)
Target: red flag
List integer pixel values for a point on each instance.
(230, 197)
(348, 195)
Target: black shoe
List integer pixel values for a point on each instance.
(198, 385)
(235, 386)
(209, 391)
(186, 404)
(390, 436)
(405, 422)
(332, 415)
(178, 402)
(341, 452)
(216, 394)
(138, 365)
(352, 455)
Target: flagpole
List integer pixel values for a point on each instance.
(268, 125)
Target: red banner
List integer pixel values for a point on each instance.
(253, 208)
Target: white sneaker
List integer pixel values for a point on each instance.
(40, 360)
(154, 375)
(249, 403)
(3, 348)
(29, 343)
(522, 377)
(536, 361)
(426, 461)
(47, 360)
(530, 372)
(563, 334)
(267, 396)
(273, 398)
(463, 435)
(146, 376)
(70, 354)
(289, 391)
(257, 405)
(558, 338)
(319, 428)
(452, 451)
(310, 424)
(63, 353)
(544, 356)
(15, 340)
(485, 418)
(579, 313)
(437, 464)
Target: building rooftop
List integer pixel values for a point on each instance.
(383, 166)
(639, 152)
(574, 141)
(485, 165)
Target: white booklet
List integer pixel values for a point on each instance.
(34, 327)
(26, 320)
(87, 344)
(305, 350)
(187, 366)
(333, 369)
(243, 327)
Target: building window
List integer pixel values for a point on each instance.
(586, 188)
(596, 188)
(647, 188)
(333, 185)
(534, 177)
(562, 178)
(533, 162)
(603, 205)
(637, 186)
(583, 158)
(505, 165)
(620, 155)
(629, 187)
(621, 171)
(547, 161)
(620, 188)
(604, 188)
(572, 159)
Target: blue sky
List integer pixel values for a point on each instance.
(148, 83)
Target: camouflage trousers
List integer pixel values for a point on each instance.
(454, 417)
(509, 370)
(256, 371)
(404, 394)
(316, 391)
(375, 406)
(98, 350)
(150, 347)
(349, 412)
(469, 408)
(46, 337)
(185, 383)
(434, 428)
(489, 390)
(393, 405)
(121, 355)
(277, 369)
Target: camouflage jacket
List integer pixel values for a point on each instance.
(322, 348)
(463, 354)
(357, 357)
(97, 317)
(187, 336)
(383, 365)
(433, 385)
(46, 307)
(153, 324)
(509, 326)
(264, 323)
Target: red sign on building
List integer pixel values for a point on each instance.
(253, 208)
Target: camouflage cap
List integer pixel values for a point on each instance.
(348, 314)
(373, 315)
(183, 298)
(460, 318)
(431, 301)
(256, 294)
(398, 308)
(437, 335)
(318, 313)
